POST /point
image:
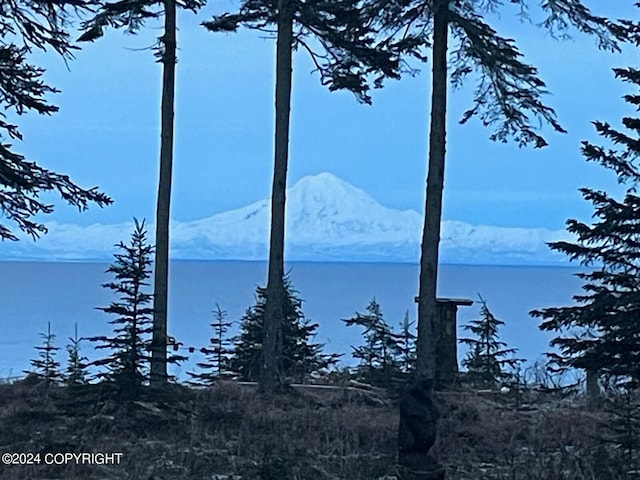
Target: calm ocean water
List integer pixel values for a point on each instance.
(35, 293)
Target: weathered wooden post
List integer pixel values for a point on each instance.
(593, 388)
(447, 339)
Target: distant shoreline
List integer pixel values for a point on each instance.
(100, 261)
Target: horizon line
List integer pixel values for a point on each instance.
(97, 261)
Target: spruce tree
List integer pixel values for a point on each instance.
(407, 345)
(379, 355)
(601, 331)
(300, 357)
(341, 36)
(46, 367)
(248, 344)
(486, 360)
(25, 26)
(218, 353)
(128, 363)
(76, 371)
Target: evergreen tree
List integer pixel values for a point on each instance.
(379, 355)
(76, 373)
(342, 40)
(46, 367)
(127, 365)
(23, 27)
(486, 360)
(248, 344)
(601, 332)
(131, 15)
(299, 358)
(407, 345)
(219, 352)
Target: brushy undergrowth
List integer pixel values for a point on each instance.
(229, 432)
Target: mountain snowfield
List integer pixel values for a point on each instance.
(327, 219)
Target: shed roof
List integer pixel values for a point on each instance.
(465, 302)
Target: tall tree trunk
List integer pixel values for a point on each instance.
(418, 415)
(427, 308)
(270, 375)
(161, 278)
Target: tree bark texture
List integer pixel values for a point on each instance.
(427, 306)
(418, 415)
(161, 271)
(270, 378)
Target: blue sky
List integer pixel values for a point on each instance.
(107, 130)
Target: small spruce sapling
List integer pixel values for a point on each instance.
(407, 345)
(218, 354)
(46, 367)
(128, 363)
(304, 357)
(485, 361)
(76, 373)
(379, 355)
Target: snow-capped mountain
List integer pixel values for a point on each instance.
(327, 219)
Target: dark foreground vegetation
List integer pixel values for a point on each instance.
(228, 431)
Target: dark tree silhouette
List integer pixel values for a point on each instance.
(131, 15)
(218, 353)
(300, 357)
(76, 371)
(379, 356)
(23, 27)
(487, 357)
(127, 365)
(407, 345)
(46, 367)
(600, 333)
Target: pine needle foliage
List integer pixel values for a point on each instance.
(218, 354)
(487, 363)
(380, 355)
(342, 37)
(300, 357)
(509, 93)
(601, 332)
(23, 27)
(129, 15)
(127, 365)
(407, 345)
(46, 367)
(76, 371)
